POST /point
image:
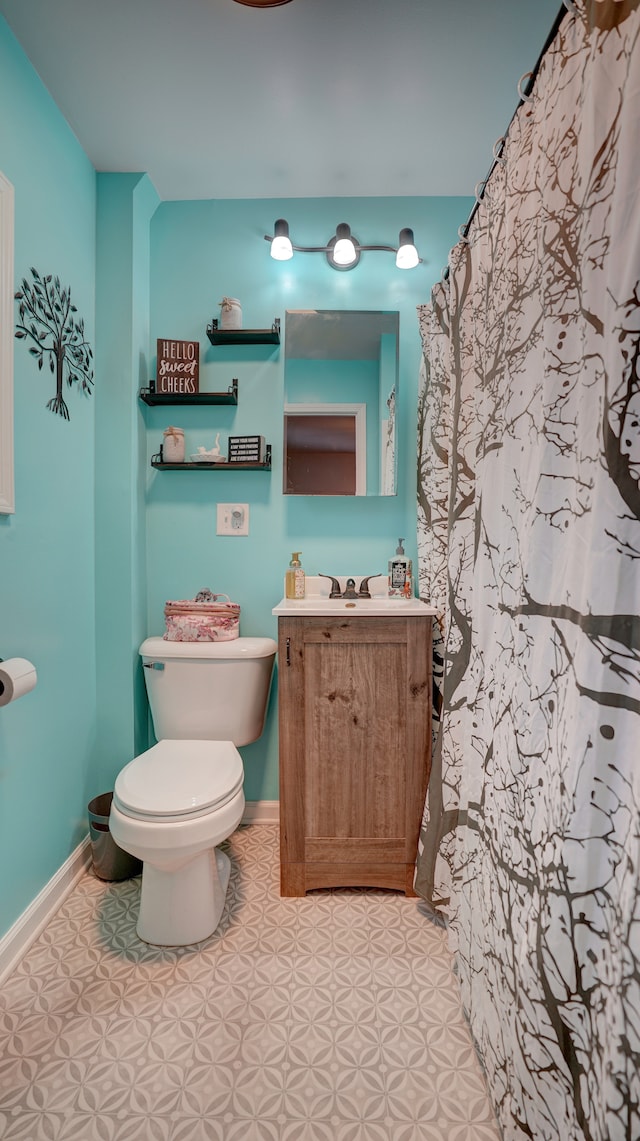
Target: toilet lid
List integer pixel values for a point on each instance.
(180, 779)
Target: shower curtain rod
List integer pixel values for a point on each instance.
(524, 93)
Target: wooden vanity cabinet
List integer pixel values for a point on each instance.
(355, 749)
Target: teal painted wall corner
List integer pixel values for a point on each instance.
(100, 540)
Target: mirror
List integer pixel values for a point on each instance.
(340, 383)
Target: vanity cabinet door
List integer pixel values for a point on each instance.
(355, 736)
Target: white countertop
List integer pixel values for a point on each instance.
(317, 603)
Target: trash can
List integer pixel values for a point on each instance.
(109, 861)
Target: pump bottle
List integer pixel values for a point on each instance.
(294, 578)
(400, 574)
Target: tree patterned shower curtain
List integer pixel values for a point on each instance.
(529, 541)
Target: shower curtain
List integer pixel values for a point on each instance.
(529, 543)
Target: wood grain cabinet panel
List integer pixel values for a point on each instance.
(355, 749)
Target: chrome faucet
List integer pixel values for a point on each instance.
(350, 588)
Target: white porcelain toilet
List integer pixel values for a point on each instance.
(174, 803)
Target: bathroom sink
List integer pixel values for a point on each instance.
(372, 607)
(317, 602)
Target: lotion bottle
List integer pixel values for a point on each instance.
(400, 574)
(294, 578)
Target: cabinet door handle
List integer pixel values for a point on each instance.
(288, 651)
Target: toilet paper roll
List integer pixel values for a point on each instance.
(17, 677)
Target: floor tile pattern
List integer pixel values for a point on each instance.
(330, 1018)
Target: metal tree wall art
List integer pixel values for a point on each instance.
(47, 318)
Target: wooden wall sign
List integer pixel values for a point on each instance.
(177, 370)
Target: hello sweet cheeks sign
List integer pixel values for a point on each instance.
(178, 366)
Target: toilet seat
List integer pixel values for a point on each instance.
(179, 780)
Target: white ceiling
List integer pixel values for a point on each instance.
(314, 98)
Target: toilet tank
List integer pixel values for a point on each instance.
(208, 691)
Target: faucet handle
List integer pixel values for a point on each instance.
(335, 585)
(364, 591)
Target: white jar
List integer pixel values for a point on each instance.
(173, 446)
(230, 313)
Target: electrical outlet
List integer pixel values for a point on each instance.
(232, 519)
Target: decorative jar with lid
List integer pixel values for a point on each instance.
(230, 313)
(173, 446)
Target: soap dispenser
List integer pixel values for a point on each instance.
(294, 578)
(400, 574)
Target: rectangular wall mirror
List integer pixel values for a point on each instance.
(341, 387)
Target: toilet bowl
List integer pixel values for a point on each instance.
(171, 807)
(173, 804)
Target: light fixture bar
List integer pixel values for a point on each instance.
(348, 246)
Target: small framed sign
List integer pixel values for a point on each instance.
(178, 367)
(246, 449)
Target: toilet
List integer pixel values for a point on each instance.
(174, 804)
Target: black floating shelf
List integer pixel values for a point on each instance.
(228, 397)
(244, 336)
(236, 465)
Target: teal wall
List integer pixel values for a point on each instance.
(99, 539)
(126, 203)
(47, 566)
(201, 251)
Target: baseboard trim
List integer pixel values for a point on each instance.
(28, 926)
(261, 812)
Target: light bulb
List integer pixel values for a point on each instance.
(281, 248)
(344, 251)
(407, 255)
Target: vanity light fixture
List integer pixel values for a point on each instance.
(343, 250)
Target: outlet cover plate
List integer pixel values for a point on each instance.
(232, 519)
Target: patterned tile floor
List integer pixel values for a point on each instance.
(330, 1018)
